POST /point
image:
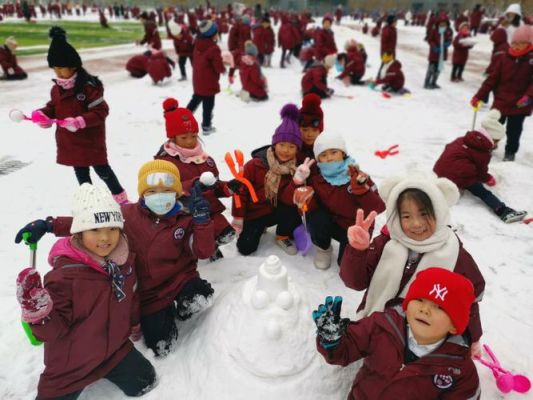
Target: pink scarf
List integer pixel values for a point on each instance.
(196, 155)
(67, 83)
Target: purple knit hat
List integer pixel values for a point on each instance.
(289, 129)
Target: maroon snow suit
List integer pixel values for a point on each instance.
(316, 76)
(389, 36)
(510, 78)
(87, 146)
(460, 51)
(8, 60)
(158, 67)
(166, 256)
(434, 42)
(357, 269)
(394, 76)
(465, 161)
(252, 80)
(151, 35)
(206, 67)
(264, 39)
(183, 45)
(137, 65)
(88, 332)
(324, 43)
(447, 373)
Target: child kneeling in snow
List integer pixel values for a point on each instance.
(270, 171)
(411, 352)
(254, 83)
(340, 189)
(390, 75)
(185, 151)
(167, 241)
(465, 162)
(88, 306)
(315, 79)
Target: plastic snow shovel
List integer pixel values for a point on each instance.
(33, 261)
(505, 380)
(302, 238)
(476, 109)
(239, 175)
(18, 116)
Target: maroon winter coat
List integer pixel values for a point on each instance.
(357, 269)
(87, 334)
(465, 161)
(151, 35)
(206, 67)
(316, 76)
(233, 37)
(394, 76)
(158, 67)
(8, 61)
(434, 42)
(255, 171)
(183, 45)
(510, 78)
(389, 36)
(355, 65)
(264, 39)
(167, 252)
(252, 80)
(137, 65)
(475, 18)
(500, 46)
(460, 51)
(381, 340)
(245, 34)
(286, 37)
(324, 43)
(459, 20)
(87, 146)
(190, 173)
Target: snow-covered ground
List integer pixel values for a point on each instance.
(224, 352)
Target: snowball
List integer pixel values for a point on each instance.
(16, 115)
(260, 299)
(208, 179)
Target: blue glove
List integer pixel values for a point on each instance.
(199, 206)
(435, 49)
(37, 229)
(329, 325)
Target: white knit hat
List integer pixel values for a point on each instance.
(514, 8)
(11, 43)
(94, 207)
(492, 124)
(330, 60)
(328, 140)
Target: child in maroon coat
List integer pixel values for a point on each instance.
(389, 36)
(265, 40)
(315, 79)
(340, 190)
(89, 305)
(78, 99)
(413, 352)
(311, 125)
(8, 61)
(185, 150)
(137, 65)
(390, 75)
(151, 34)
(254, 83)
(286, 40)
(270, 171)
(465, 162)
(461, 45)
(167, 240)
(352, 63)
(439, 39)
(418, 237)
(324, 39)
(159, 66)
(183, 44)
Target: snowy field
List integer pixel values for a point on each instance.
(225, 352)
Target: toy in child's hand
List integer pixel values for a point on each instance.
(391, 151)
(72, 124)
(358, 181)
(302, 239)
(303, 171)
(358, 235)
(239, 175)
(329, 325)
(505, 380)
(302, 195)
(37, 117)
(234, 186)
(34, 231)
(207, 180)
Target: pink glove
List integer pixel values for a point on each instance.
(136, 333)
(303, 171)
(237, 225)
(491, 181)
(34, 300)
(41, 119)
(523, 102)
(358, 235)
(73, 124)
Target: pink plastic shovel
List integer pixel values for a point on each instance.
(18, 116)
(505, 380)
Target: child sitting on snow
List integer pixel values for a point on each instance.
(89, 304)
(390, 75)
(352, 63)
(315, 79)
(185, 151)
(167, 241)
(340, 189)
(417, 237)
(465, 162)
(311, 124)
(8, 61)
(411, 352)
(254, 83)
(270, 171)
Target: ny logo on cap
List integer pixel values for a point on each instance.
(439, 292)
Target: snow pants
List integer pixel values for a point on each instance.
(485, 195)
(208, 104)
(105, 173)
(134, 375)
(182, 60)
(514, 127)
(322, 229)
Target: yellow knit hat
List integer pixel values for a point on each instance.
(147, 179)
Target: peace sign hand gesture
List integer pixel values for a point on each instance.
(358, 235)
(303, 171)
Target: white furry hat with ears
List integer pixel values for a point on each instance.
(442, 192)
(491, 123)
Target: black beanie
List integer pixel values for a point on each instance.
(61, 53)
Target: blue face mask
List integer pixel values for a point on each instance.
(160, 203)
(442, 29)
(336, 173)
(339, 67)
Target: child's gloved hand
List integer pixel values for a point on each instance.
(329, 325)
(358, 235)
(491, 181)
(303, 171)
(523, 102)
(199, 207)
(41, 119)
(136, 333)
(475, 350)
(237, 224)
(475, 102)
(358, 181)
(234, 186)
(37, 229)
(34, 300)
(73, 124)
(302, 195)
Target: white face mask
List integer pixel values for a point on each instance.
(160, 203)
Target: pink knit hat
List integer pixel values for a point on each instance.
(524, 33)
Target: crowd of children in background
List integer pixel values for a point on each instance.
(305, 171)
